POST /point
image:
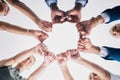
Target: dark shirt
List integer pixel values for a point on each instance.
(9, 73)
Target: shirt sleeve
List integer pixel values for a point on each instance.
(49, 2)
(83, 2)
(106, 17)
(103, 52)
(114, 77)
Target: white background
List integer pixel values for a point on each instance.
(63, 37)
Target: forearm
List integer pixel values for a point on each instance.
(36, 74)
(66, 72)
(94, 50)
(14, 29)
(24, 9)
(95, 68)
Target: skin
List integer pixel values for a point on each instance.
(102, 74)
(48, 58)
(37, 34)
(62, 62)
(84, 27)
(115, 31)
(44, 25)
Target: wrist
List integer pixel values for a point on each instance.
(95, 50)
(78, 6)
(53, 6)
(97, 20)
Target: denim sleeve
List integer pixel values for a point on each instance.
(113, 53)
(113, 13)
(49, 2)
(83, 2)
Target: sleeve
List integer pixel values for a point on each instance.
(103, 52)
(83, 2)
(114, 77)
(49, 2)
(112, 14)
(112, 53)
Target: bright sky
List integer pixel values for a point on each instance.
(63, 37)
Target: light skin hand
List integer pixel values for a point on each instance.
(39, 35)
(57, 15)
(45, 25)
(85, 27)
(74, 15)
(85, 45)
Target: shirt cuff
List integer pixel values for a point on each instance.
(83, 2)
(106, 17)
(49, 2)
(103, 52)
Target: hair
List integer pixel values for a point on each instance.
(115, 28)
(1, 7)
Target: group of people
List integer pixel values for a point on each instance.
(25, 59)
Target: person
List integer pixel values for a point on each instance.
(37, 34)
(107, 16)
(108, 53)
(4, 10)
(62, 62)
(98, 73)
(24, 61)
(60, 16)
(49, 57)
(115, 31)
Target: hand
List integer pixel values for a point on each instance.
(85, 27)
(58, 16)
(45, 25)
(73, 15)
(40, 49)
(39, 35)
(48, 58)
(73, 54)
(84, 45)
(62, 58)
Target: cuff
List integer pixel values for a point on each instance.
(106, 17)
(103, 52)
(83, 2)
(49, 2)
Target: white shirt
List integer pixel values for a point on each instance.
(114, 77)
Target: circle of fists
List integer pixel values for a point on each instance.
(61, 58)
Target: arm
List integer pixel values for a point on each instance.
(39, 35)
(47, 26)
(57, 15)
(49, 58)
(112, 14)
(19, 57)
(74, 15)
(66, 73)
(62, 62)
(102, 73)
(37, 72)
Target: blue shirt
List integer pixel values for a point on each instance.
(83, 2)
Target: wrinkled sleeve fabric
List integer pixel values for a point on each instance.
(111, 53)
(83, 2)
(112, 14)
(49, 2)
